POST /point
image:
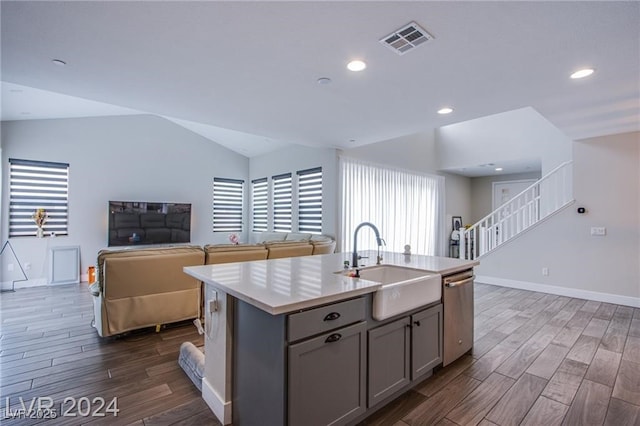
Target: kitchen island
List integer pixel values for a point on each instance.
(294, 340)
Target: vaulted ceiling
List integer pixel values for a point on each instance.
(248, 72)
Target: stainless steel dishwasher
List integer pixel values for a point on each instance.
(457, 296)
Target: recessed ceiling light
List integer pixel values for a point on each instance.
(499, 169)
(356, 65)
(445, 110)
(586, 72)
(323, 80)
(59, 62)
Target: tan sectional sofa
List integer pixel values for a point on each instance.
(139, 288)
(146, 287)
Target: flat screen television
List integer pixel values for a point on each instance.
(143, 222)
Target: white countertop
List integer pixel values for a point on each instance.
(280, 286)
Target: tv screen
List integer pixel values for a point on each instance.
(143, 222)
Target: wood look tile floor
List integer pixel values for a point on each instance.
(48, 349)
(538, 359)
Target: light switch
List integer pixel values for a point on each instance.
(598, 231)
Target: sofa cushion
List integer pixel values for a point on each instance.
(320, 238)
(278, 250)
(297, 236)
(323, 247)
(225, 253)
(271, 236)
(137, 251)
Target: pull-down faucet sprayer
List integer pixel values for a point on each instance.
(380, 241)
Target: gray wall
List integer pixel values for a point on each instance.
(116, 158)
(606, 176)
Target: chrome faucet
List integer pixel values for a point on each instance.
(380, 241)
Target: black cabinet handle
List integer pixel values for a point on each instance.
(417, 323)
(333, 338)
(332, 316)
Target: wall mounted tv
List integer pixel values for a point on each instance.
(143, 222)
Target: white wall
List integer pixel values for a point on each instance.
(502, 138)
(293, 159)
(144, 158)
(482, 192)
(607, 183)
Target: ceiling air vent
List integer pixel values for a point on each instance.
(406, 38)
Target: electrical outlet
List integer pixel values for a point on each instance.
(545, 271)
(10, 267)
(598, 231)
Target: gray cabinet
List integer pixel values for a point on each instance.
(327, 377)
(388, 349)
(426, 341)
(404, 350)
(327, 365)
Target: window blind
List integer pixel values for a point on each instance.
(282, 202)
(259, 201)
(310, 200)
(227, 205)
(38, 185)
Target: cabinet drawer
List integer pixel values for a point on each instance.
(325, 318)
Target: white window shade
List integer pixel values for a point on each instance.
(407, 207)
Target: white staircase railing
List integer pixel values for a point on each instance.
(548, 195)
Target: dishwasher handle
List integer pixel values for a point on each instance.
(460, 283)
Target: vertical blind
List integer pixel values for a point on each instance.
(282, 202)
(34, 185)
(310, 200)
(227, 205)
(259, 204)
(407, 207)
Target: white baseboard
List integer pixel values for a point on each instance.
(34, 282)
(561, 291)
(220, 408)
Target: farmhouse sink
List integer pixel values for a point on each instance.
(402, 289)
